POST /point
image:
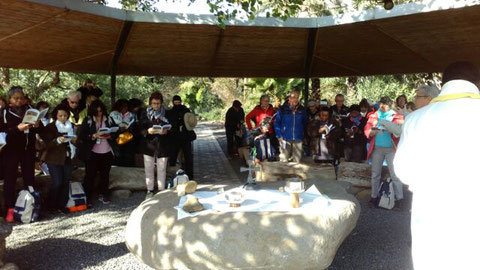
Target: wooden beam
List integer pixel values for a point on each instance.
(122, 40)
(63, 13)
(399, 42)
(311, 44)
(213, 61)
(76, 60)
(356, 71)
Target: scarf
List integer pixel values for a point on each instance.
(356, 120)
(156, 116)
(388, 116)
(67, 128)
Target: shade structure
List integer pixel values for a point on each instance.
(74, 36)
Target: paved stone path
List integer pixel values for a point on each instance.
(210, 163)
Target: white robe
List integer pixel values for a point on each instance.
(438, 157)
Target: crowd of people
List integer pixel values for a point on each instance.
(81, 132)
(364, 132)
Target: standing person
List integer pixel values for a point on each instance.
(365, 108)
(180, 137)
(233, 123)
(265, 109)
(382, 146)
(355, 140)
(73, 103)
(121, 117)
(154, 146)
(401, 105)
(88, 89)
(84, 113)
(442, 173)
(339, 109)
(313, 115)
(59, 154)
(290, 124)
(20, 147)
(97, 151)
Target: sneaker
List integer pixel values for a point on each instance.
(104, 199)
(149, 195)
(9, 217)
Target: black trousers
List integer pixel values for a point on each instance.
(186, 147)
(354, 153)
(11, 159)
(101, 163)
(127, 155)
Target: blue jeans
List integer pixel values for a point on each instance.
(60, 175)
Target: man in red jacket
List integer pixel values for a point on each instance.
(260, 112)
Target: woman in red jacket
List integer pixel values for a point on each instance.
(383, 145)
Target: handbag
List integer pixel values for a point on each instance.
(386, 195)
(124, 138)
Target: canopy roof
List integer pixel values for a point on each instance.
(74, 36)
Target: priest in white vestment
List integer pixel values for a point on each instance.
(438, 157)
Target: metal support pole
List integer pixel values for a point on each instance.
(113, 87)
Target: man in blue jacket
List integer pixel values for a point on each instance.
(290, 124)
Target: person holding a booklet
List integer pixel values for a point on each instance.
(98, 148)
(60, 139)
(124, 119)
(382, 146)
(20, 123)
(154, 129)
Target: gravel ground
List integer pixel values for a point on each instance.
(93, 239)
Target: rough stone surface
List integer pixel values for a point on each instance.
(280, 171)
(359, 174)
(266, 240)
(364, 195)
(121, 194)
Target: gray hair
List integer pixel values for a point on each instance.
(74, 93)
(429, 90)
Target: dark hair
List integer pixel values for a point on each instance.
(411, 105)
(364, 103)
(14, 89)
(155, 95)
(134, 103)
(176, 97)
(264, 96)
(92, 109)
(386, 100)
(237, 104)
(462, 70)
(120, 104)
(396, 100)
(355, 107)
(41, 104)
(339, 95)
(325, 109)
(60, 107)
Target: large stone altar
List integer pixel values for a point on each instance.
(241, 240)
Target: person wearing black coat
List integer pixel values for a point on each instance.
(179, 136)
(154, 145)
(20, 147)
(97, 150)
(355, 140)
(234, 118)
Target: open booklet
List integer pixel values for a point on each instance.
(105, 131)
(32, 116)
(3, 139)
(158, 129)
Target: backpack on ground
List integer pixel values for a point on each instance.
(27, 206)
(77, 199)
(386, 195)
(179, 178)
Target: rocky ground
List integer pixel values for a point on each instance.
(93, 239)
